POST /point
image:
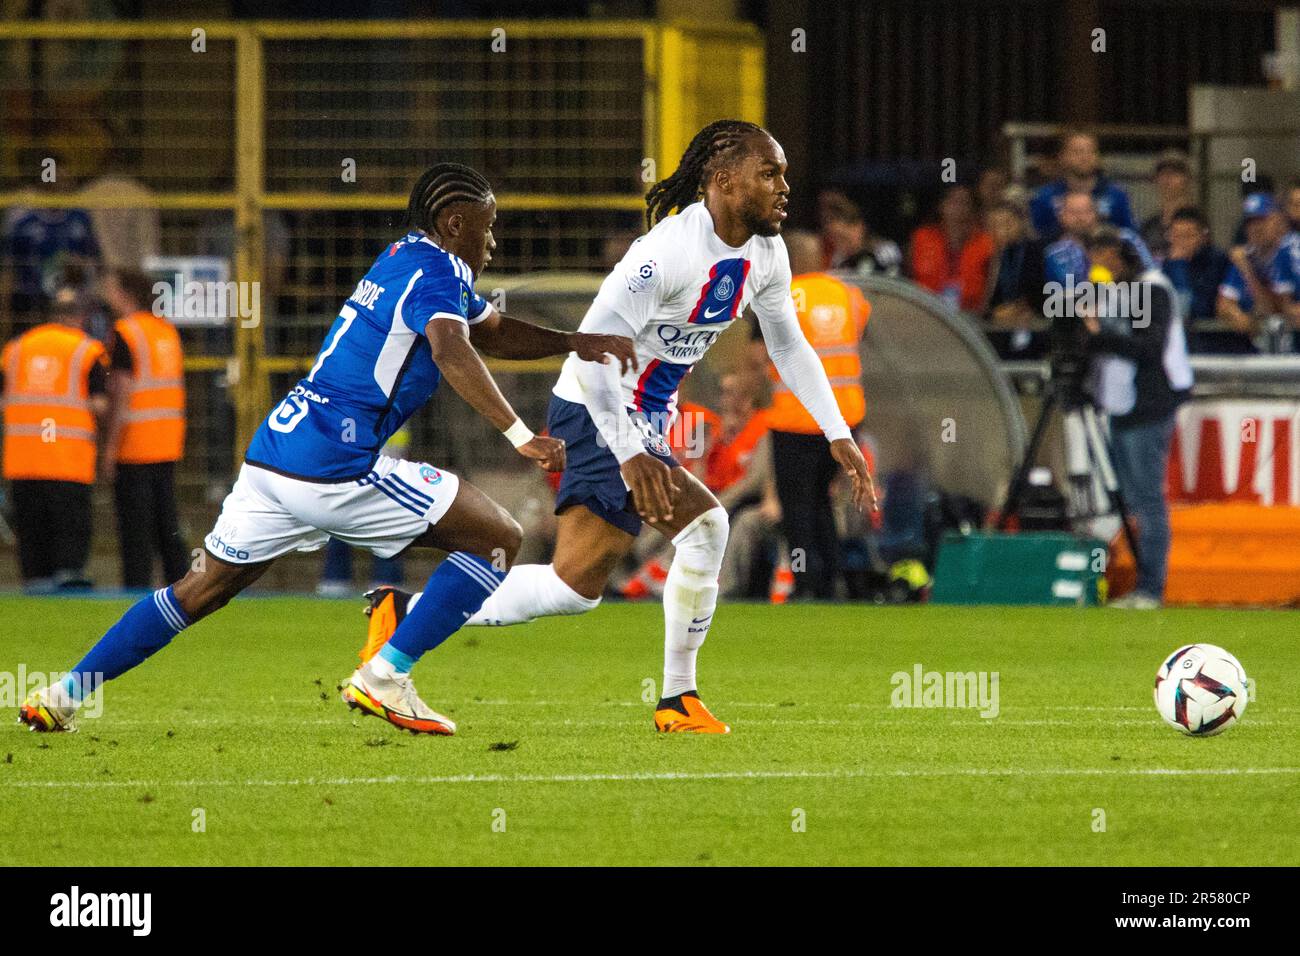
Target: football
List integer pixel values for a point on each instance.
(1201, 690)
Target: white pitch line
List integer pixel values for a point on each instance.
(665, 776)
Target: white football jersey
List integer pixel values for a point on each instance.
(680, 287)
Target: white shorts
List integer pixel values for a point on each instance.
(267, 514)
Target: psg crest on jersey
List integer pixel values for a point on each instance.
(722, 292)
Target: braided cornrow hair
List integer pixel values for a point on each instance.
(442, 185)
(717, 141)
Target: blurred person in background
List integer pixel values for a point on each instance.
(833, 316)
(145, 432)
(1079, 165)
(1015, 285)
(1173, 181)
(951, 257)
(55, 389)
(40, 246)
(1197, 268)
(1285, 275)
(1065, 260)
(847, 240)
(126, 236)
(1246, 294)
(991, 188)
(1141, 376)
(1291, 204)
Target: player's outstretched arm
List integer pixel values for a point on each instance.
(502, 336)
(464, 371)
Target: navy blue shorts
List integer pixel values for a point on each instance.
(591, 476)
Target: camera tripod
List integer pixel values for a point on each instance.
(1087, 457)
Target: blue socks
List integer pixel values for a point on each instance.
(456, 589)
(148, 626)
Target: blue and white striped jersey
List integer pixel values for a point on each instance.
(375, 369)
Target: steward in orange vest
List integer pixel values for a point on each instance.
(54, 383)
(833, 315)
(146, 430)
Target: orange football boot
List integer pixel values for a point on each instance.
(686, 714)
(387, 609)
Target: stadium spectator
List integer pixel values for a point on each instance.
(126, 236)
(1174, 187)
(39, 247)
(1197, 268)
(1140, 376)
(55, 380)
(1291, 202)
(848, 242)
(1015, 281)
(1246, 294)
(1285, 274)
(145, 432)
(1066, 259)
(991, 188)
(833, 315)
(951, 257)
(1079, 163)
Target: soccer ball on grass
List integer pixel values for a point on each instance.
(1201, 690)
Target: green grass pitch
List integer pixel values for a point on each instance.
(237, 726)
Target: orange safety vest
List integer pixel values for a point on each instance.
(155, 418)
(49, 426)
(833, 316)
(729, 460)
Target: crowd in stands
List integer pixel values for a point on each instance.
(992, 247)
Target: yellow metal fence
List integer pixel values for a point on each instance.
(288, 148)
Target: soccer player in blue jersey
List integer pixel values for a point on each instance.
(314, 469)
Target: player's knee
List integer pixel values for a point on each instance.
(200, 593)
(710, 530)
(508, 537)
(704, 540)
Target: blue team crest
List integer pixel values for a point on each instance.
(655, 442)
(430, 474)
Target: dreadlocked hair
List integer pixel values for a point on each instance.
(442, 185)
(716, 143)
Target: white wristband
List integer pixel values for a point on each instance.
(518, 433)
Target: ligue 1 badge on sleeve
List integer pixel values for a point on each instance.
(430, 474)
(644, 277)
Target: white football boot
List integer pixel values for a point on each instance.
(394, 699)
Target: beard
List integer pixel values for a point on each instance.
(757, 222)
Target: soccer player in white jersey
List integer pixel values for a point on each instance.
(678, 288)
(314, 468)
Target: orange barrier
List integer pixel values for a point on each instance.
(1238, 554)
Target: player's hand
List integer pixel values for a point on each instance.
(653, 487)
(545, 450)
(848, 455)
(598, 348)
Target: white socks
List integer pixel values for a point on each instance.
(690, 597)
(529, 591)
